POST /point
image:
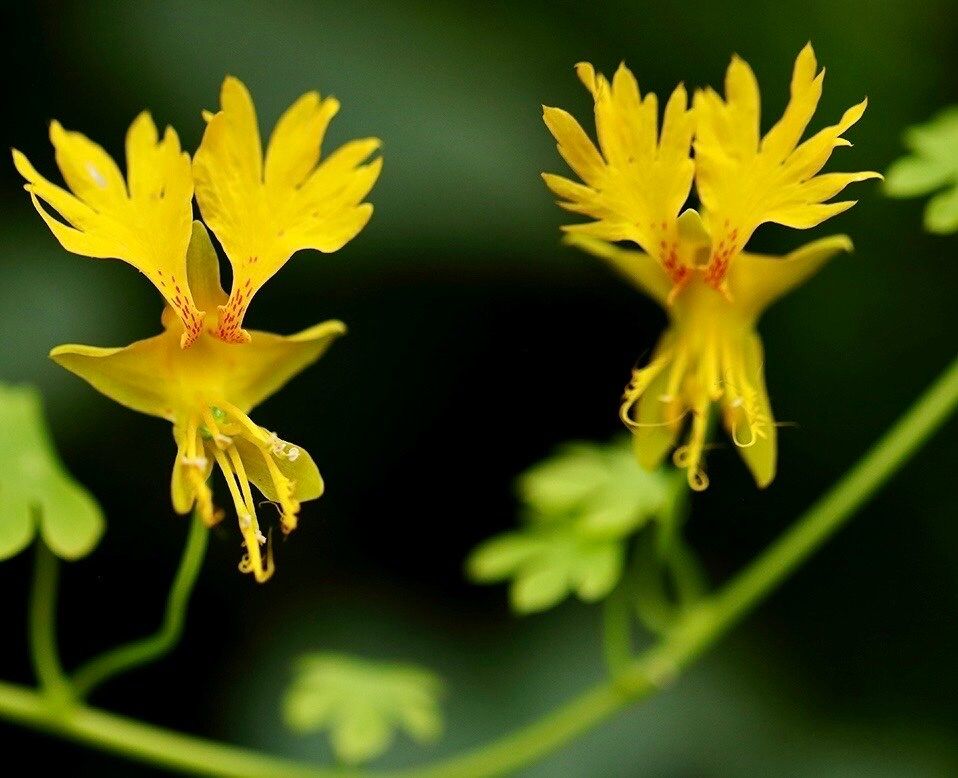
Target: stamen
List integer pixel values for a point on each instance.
(191, 431)
(252, 561)
(256, 432)
(639, 383)
(677, 373)
(209, 419)
(698, 480)
(289, 506)
(709, 369)
(204, 498)
(240, 470)
(689, 456)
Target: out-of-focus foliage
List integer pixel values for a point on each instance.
(363, 703)
(579, 508)
(932, 167)
(36, 492)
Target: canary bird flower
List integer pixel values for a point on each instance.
(204, 373)
(207, 392)
(635, 186)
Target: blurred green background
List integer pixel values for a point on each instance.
(476, 345)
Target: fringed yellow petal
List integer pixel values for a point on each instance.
(743, 182)
(637, 180)
(744, 107)
(89, 171)
(263, 216)
(294, 147)
(805, 92)
(757, 280)
(144, 221)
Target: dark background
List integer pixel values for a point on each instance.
(476, 345)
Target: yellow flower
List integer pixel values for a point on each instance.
(206, 391)
(635, 185)
(204, 373)
(261, 212)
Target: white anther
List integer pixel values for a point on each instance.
(737, 402)
(226, 440)
(260, 537)
(293, 454)
(194, 461)
(245, 521)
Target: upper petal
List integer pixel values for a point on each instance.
(144, 222)
(263, 219)
(638, 179)
(744, 183)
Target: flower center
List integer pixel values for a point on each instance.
(700, 361)
(245, 454)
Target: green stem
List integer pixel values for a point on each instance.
(149, 649)
(696, 631)
(43, 628)
(617, 629)
(144, 742)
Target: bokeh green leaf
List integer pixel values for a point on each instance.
(362, 703)
(932, 167)
(579, 508)
(36, 492)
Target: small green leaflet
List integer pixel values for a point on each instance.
(362, 703)
(36, 492)
(932, 167)
(579, 507)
